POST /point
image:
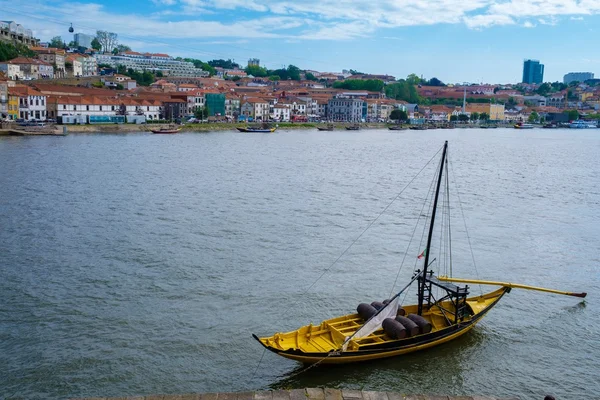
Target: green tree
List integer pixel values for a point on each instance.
(484, 116)
(533, 117)
(8, 51)
(453, 118)
(57, 42)
(544, 89)
(96, 44)
(463, 117)
(227, 64)
(72, 44)
(474, 116)
(373, 85)
(256, 71)
(435, 82)
(102, 65)
(402, 90)
(121, 49)
(310, 77)
(202, 113)
(398, 115)
(573, 115)
(413, 79)
(274, 78)
(159, 74)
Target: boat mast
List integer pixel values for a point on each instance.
(423, 278)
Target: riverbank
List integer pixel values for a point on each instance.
(203, 127)
(305, 394)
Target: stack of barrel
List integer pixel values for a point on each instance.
(401, 327)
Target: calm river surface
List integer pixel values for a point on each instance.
(138, 264)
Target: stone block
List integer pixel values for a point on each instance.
(208, 396)
(263, 395)
(298, 394)
(245, 396)
(333, 394)
(280, 395)
(352, 394)
(396, 396)
(315, 393)
(370, 395)
(154, 397)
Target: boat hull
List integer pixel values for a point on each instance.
(166, 131)
(270, 130)
(388, 348)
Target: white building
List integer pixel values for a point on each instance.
(164, 63)
(281, 112)
(32, 104)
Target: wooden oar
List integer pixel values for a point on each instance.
(510, 285)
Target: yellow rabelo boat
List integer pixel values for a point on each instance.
(380, 330)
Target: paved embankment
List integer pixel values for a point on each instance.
(304, 394)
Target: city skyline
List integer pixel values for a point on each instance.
(475, 41)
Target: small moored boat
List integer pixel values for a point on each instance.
(329, 127)
(166, 130)
(355, 127)
(521, 125)
(257, 130)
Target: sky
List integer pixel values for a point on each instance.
(477, 41)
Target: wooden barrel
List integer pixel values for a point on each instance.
(412, 329)
(365, 310)
(401, 311)
(422, 323)
(394, 329)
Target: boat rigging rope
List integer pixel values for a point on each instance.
(413, 235)
(466, 230)
(345, 251)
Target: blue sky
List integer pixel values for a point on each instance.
(453, 40)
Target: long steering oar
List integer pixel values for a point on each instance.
(510, 285)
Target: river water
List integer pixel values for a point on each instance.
(138, 264)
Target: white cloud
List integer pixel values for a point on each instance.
(528, 24)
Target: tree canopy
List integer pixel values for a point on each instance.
(57, 42)
(435, 82)
(533, 117)
(402, 90)
(108, 40)
(121, 49)
(398, 115)
(96, 44)
(8, 51)
(372, 85)
(227, 64)
(256, 70)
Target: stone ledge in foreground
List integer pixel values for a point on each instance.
(302, 394)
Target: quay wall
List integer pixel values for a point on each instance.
(303, 394)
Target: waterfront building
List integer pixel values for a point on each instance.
(87, 106)
(173, 109)
(13, 106)
(533, 72)
(83, 40)
(32, 104)
(232, 105)
(535, 100)
(11, 31)
(3, 97)
(555, 101)
(155, 62)
(281, 112)
(346, 109)
(577, 77)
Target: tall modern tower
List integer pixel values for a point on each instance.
(533, 71)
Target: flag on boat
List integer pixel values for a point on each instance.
(423, 254)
